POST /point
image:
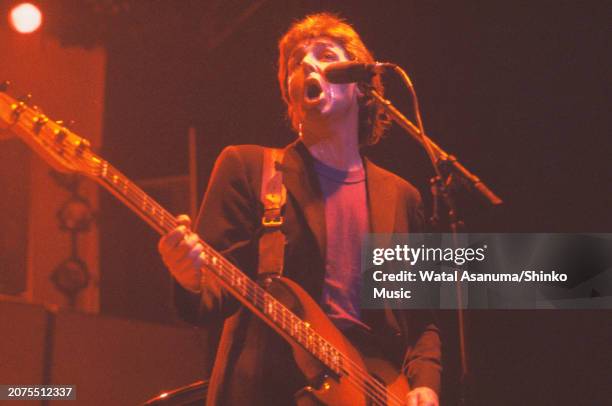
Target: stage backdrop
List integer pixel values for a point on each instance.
(68, 84)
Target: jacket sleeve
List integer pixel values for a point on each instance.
(228, 222)
(422, 361)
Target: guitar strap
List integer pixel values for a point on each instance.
(273, 196)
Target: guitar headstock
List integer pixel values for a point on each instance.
(61, 148)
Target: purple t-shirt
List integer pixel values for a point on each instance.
(346, 219)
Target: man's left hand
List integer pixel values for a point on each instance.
(422, 396)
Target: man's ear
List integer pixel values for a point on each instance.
(293, 117)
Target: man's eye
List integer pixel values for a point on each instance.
(329, 56)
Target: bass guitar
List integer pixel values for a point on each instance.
(323, 354)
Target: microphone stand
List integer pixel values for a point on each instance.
(443, 164)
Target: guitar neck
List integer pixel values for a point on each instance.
(249, 293)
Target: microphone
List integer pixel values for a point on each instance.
(350, 71)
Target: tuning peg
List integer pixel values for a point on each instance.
(39, 122)
(83, 145)
(60, 135)
(18, 108)
(5, 85)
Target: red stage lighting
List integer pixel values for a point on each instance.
(25, 18)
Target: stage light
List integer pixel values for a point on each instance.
(25, 18)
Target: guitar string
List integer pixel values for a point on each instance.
(258, 296)
(139, 199)
(166, 221)
(256, 293)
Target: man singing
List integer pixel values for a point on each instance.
(334, 196)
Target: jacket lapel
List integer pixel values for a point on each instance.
(301, 182)
(382, 199)
(382, 204)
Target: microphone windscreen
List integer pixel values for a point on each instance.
(349, 72)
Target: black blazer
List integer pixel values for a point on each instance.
(253, 365)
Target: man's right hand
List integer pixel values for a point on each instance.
(181, 251)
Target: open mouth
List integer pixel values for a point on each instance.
(312, 90)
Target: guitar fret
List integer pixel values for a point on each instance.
(303, 333)
(268, 306)
(285, 318)
(309, 340)
(317, 344)
(327, 353)
(239, 284)
(297, 326)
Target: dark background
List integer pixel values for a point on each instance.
(518, 90)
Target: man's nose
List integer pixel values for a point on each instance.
(309, 64)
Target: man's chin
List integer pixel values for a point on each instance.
(318, 114)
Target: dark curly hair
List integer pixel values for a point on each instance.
(372, 122)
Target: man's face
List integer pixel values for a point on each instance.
(311, 96)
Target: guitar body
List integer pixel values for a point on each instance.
(327, 388)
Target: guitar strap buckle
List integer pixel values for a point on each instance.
(273, 197)
(273, 203)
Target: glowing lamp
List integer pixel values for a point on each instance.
(25, 18)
